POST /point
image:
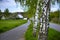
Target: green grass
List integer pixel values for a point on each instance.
(6, 25)
(29, 33)
(52, 35)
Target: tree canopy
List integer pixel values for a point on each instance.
(0, 12)
(6, 12)
(31, 6)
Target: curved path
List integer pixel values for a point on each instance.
(16, 33)
(55, 26)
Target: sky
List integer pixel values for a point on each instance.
(13, 7)
(54, 7)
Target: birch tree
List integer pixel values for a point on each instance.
(41, 14)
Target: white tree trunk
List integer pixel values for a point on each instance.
(36, 20)
(44, 21)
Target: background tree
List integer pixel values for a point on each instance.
(54, 16)
(35, 8)
(6, 13)
(58, 1)
(0, 14)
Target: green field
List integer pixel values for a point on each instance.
(29, 33)
(52, 34)
(6, 25)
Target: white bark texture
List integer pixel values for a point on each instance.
(43, 33)
(36, 20)
(44, 20)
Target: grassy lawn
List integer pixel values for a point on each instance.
(52, 35)
(6, 25)
(29, 33)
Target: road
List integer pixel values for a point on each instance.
(55, 26)
(16, 33)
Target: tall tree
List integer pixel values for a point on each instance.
(39, 5)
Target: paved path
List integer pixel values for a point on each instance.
(55, 26)
(16, 33)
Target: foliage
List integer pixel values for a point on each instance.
(31, 6)
(29, 14)
(6, 12)
(6, 25)
(58, 1)
(55, 16)
(0, 14)
(53, 1)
